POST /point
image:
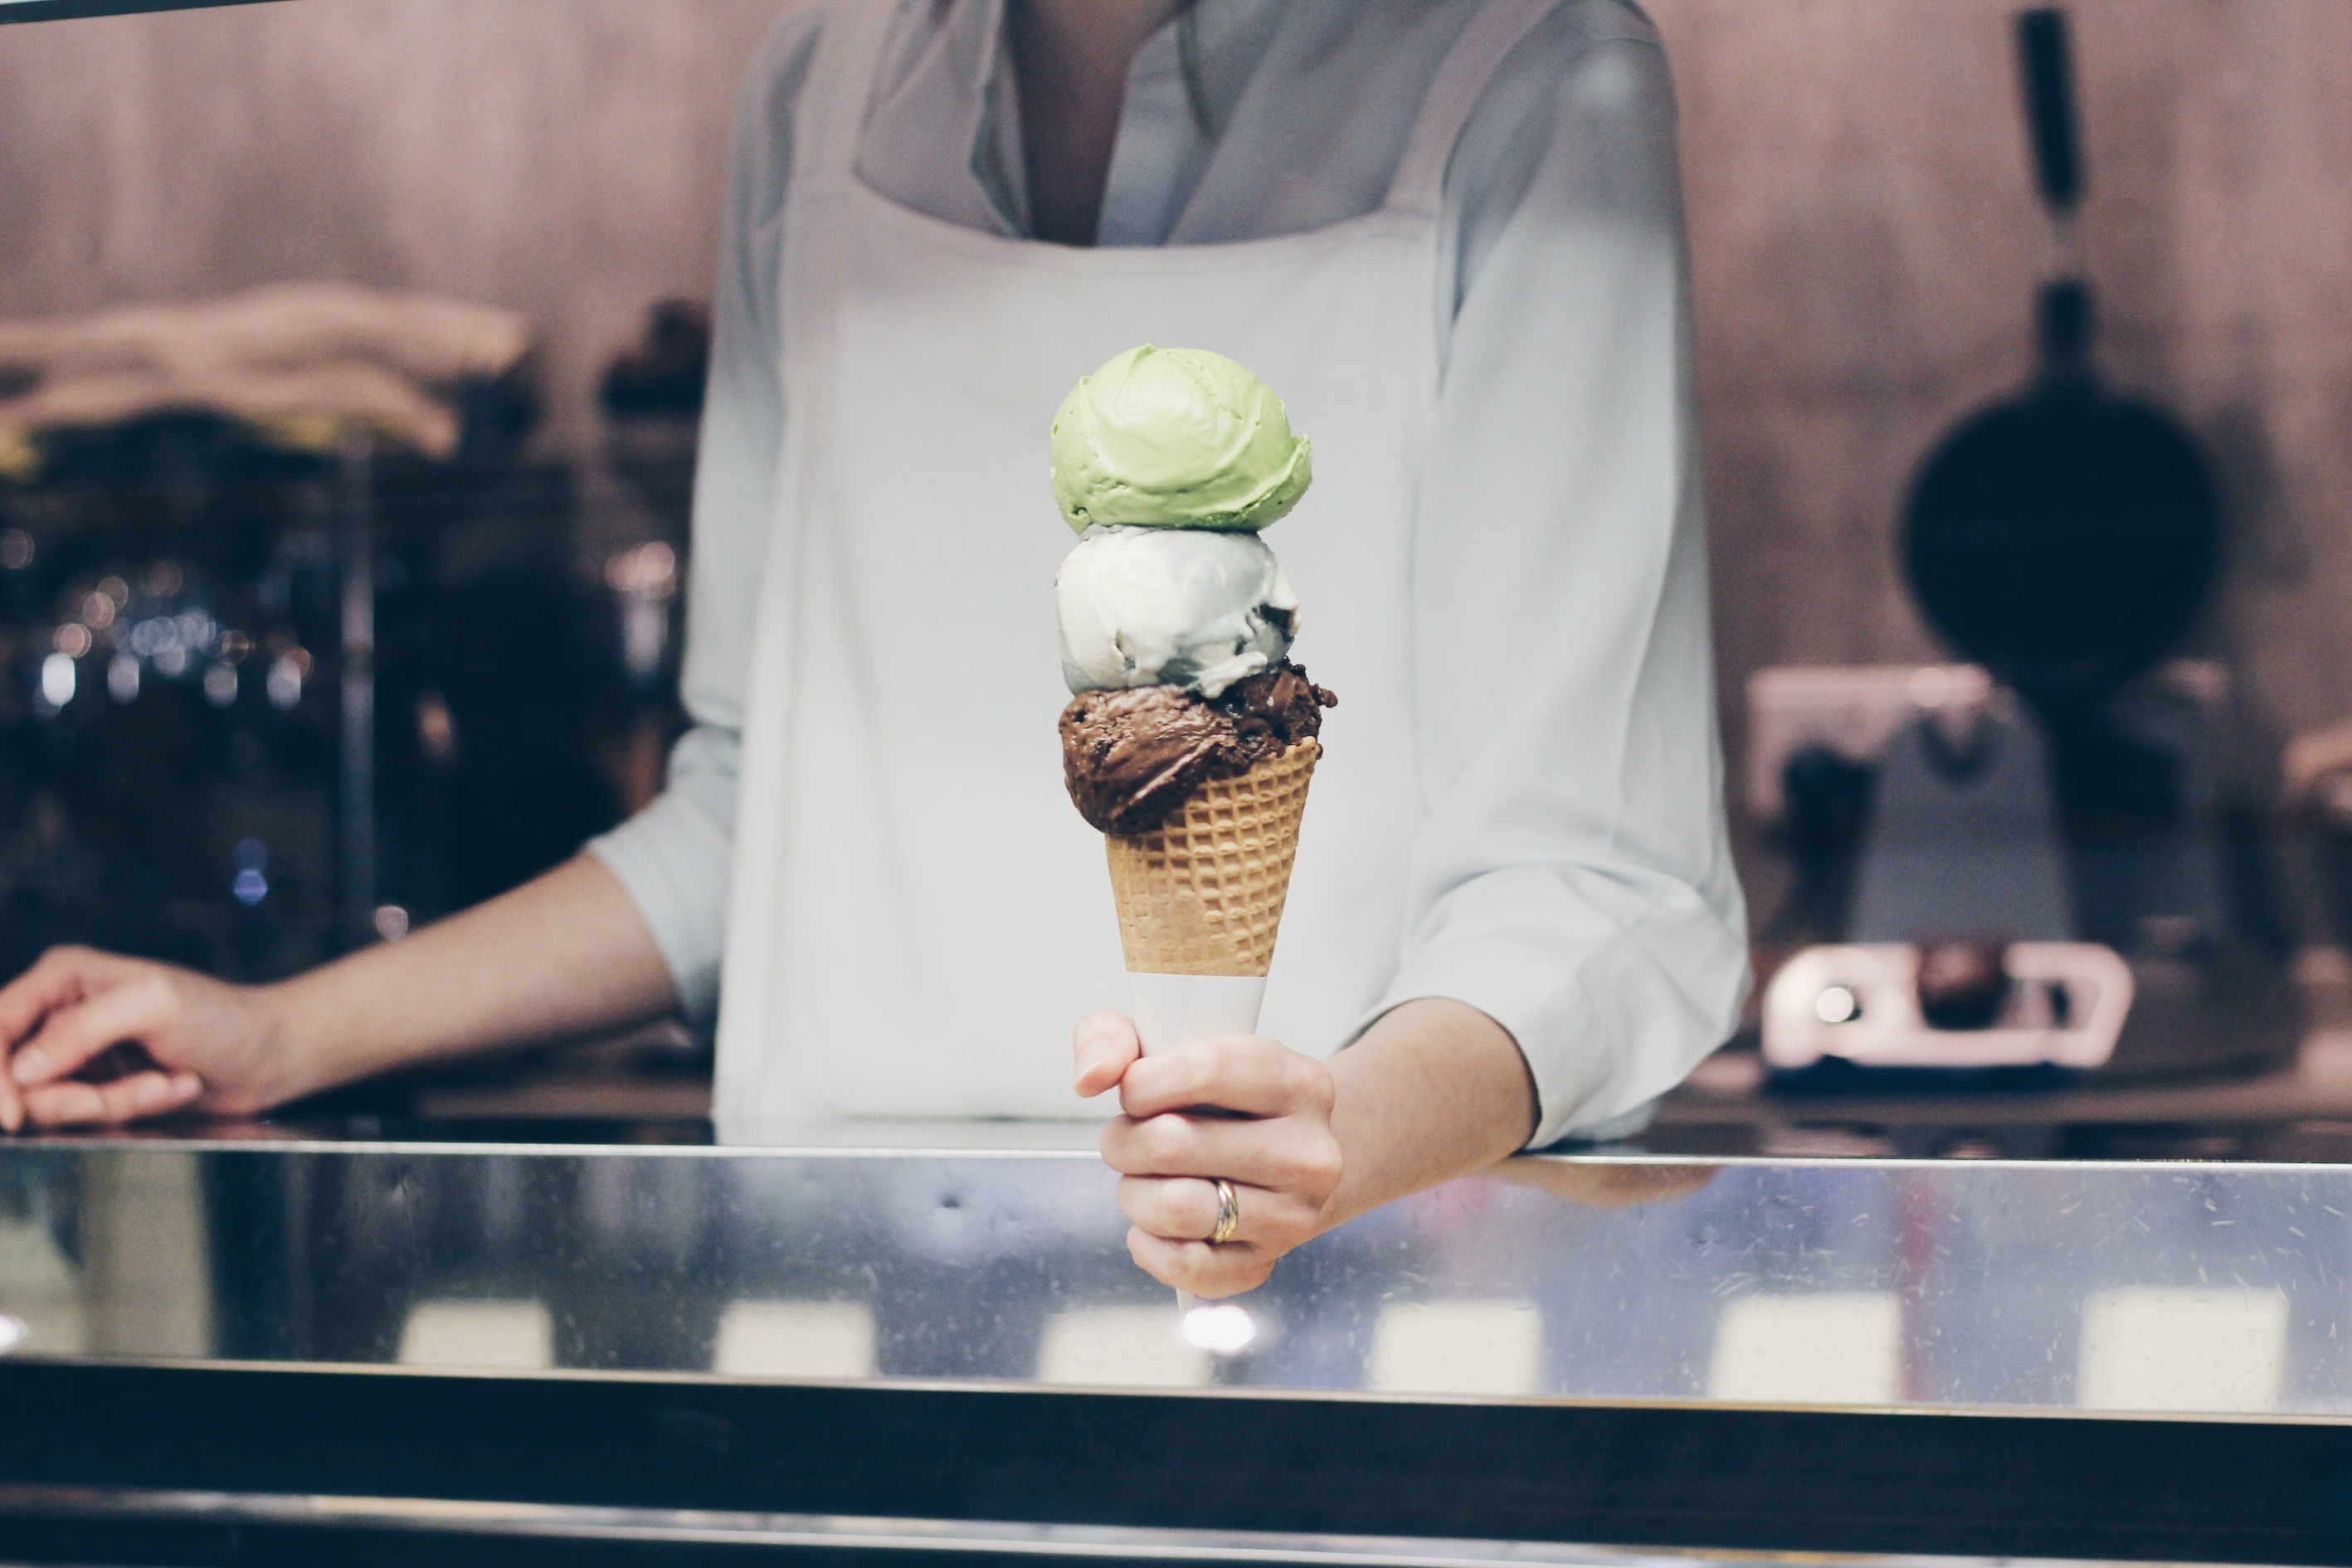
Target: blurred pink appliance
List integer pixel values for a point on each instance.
(2061, 1003)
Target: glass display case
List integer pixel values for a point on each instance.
(653, 1353)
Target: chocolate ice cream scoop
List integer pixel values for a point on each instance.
(1130, 757)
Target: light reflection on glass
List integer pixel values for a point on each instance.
(56, 681)
(122, 678)
(2132, 1358)
(1124, 1347)
(1458, 1347)
(794, 1339)
(646, 580)
(220, 685)
(284, 682)
(1220, 1330)
(437, 727)
(519, 1334)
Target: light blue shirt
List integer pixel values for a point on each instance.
(1566, 290)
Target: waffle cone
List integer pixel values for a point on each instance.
(1202, 892)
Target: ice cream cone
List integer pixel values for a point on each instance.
(1202, 893)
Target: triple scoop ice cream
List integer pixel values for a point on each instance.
(1168, 462)
(1192, 737)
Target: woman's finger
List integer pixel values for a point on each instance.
(1105, 1045)
(1293, 1154)
(139, 1095)
(1207, 1271)
(55, 981)
(58, 979)
(1241, 1073)
(1181, 1208)
(1185, 1208)
(72, 1036)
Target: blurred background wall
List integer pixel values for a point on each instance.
(1866, 242)
(1865, 235)
(563, 157)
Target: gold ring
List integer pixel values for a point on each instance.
(1229, 1214)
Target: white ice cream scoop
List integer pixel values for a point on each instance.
(1172, 606)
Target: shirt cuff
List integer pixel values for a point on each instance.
(1537, 1005)
(1598, 1062)
(672, 860)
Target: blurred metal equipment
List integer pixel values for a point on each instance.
(355, 565)
(651, 395)
(2069, 538)
(2026, 1004)
(280, 678)
(1922, 806)
(2068, 785)
(645, 583)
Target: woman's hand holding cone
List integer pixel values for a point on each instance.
(1246, 1109)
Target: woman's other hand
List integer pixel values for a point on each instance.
(89, 1037)
(1245, 1108)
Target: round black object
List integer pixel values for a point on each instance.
(2066, 540)
(1962, 984)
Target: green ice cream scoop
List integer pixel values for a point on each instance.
(1176, 438)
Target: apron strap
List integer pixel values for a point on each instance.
(1498, 28)
(831, 122)
(828, 127)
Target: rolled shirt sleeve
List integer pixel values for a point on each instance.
(676, 859)
(1574, 879)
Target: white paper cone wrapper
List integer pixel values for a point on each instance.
(1173, 1010)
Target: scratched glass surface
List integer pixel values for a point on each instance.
(2181, 1287)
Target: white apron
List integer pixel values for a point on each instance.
(919, 915)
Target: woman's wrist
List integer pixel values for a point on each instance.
(1435, 1089)
(298, 1049)
(564, 955)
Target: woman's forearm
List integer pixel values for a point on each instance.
(1434, 1090)
(564, 955)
